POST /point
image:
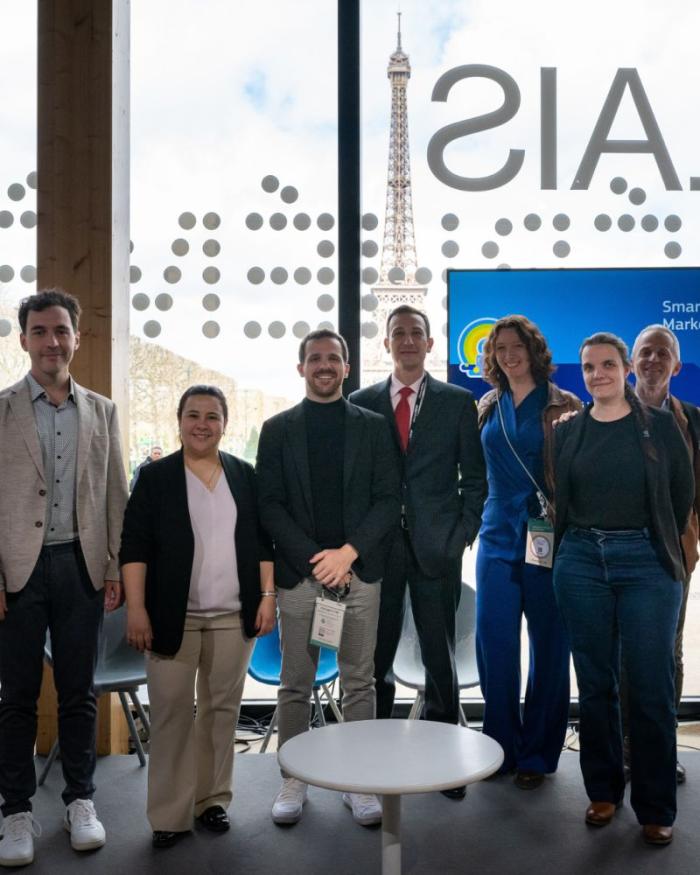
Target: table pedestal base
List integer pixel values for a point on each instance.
(391, 834)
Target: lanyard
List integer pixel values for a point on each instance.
(416, 408)
(541, 497)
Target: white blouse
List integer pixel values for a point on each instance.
(214, 584)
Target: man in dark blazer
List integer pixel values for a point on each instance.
(329, 496)
(443, 487)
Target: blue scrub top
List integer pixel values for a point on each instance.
(512, 499)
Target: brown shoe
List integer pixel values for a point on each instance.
(601, 813)
(654, 834)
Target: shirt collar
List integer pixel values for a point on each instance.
(397, 385)
(36, 390)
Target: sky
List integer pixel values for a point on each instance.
(225, 94)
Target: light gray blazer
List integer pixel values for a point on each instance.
(100, 495)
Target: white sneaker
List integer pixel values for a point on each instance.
(290, 801)
(17, 845)
(366, 808)
(86, 831)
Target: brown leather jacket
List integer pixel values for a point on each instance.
(688, 419)
(559, 401)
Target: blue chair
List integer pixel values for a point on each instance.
(120, 669)
(408, 664)
(266, 664)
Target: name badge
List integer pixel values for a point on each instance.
(327, 624)
(539, 544)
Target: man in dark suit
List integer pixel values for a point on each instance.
(436, 443)
(329, 496)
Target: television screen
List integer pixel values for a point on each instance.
(568, 305)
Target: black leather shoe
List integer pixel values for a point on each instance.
(455, 792)
(214, 819)
(528, 780)
(165, 838)
(680, 773)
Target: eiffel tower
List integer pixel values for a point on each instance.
(399, 273)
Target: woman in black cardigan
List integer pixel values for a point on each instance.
(198, 579)
(623, 491)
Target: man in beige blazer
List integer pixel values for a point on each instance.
(62, 501)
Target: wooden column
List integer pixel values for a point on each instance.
(83, 198)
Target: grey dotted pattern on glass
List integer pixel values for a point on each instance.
(672, 223)
(211, 248)
(211, 275)
(637, 196)
(370, 330)
(187, 221)
(180, 247)
(211, 221)
(7, 273)
(443, 275)
(5, 328)
(561, 222)
(369, 248)
(423, 276)
(325, 221)
(649, 222)
(270, 183)
(369, 276)
(369, 222)
(325, 303)
(561, 249)
(140, 301)
(503, 227)
(276, 330)
(278, 221)
(289, 194)
(252, 330)
(444, 329)
(450, 222)
(302, 221)
(450, 248)
(28, 273)
(172, 274)
(325, 248)
(279, 275)
(490, 249)
(300, 329)
(626, 222)
(302, 275)
(131, 246)
(370, 302)
(254, 221)
(532, 222)
(602, 222)
(28, 219)
(396, 275)
(151, 328)
(672, 249)
(211, 302)
(325, 276)
(211, 329)
(31, 179)
(134, 274)
(256, 275)
(326, 326)
(164, 301)
(503, 266)
(618, 185)
(16, 191)
(6, 218)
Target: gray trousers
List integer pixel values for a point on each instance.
(299, 658)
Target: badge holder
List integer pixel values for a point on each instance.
(327, 623)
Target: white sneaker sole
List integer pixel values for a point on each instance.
(84, 846)
(294, 817)
(367, 820)
(18, 861)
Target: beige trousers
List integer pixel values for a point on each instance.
(191, 758)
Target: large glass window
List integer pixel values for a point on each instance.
(497, 135)
(18, 22)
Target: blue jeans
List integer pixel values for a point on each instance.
(618, 600)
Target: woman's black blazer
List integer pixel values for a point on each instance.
(158, 531)
(668, 474)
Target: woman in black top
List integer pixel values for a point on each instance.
(623, 491)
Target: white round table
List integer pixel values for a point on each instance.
(389, 758)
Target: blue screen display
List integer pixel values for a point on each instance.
(569, 305)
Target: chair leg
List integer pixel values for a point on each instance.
(463, 718)
(132, 728)
(270, 730)
(319, 707)
(49, 762)
(328, 693)
(140, 711)
(417, 707)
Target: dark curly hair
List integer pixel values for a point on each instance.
(539, 353)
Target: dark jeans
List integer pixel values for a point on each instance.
(58, 596)
(434, 604)
(615, 597)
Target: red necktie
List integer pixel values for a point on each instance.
(402, 412)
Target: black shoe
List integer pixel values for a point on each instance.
(528, 780)
(680, 773)
(165, 838)
(455, 792)
(214, 819)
